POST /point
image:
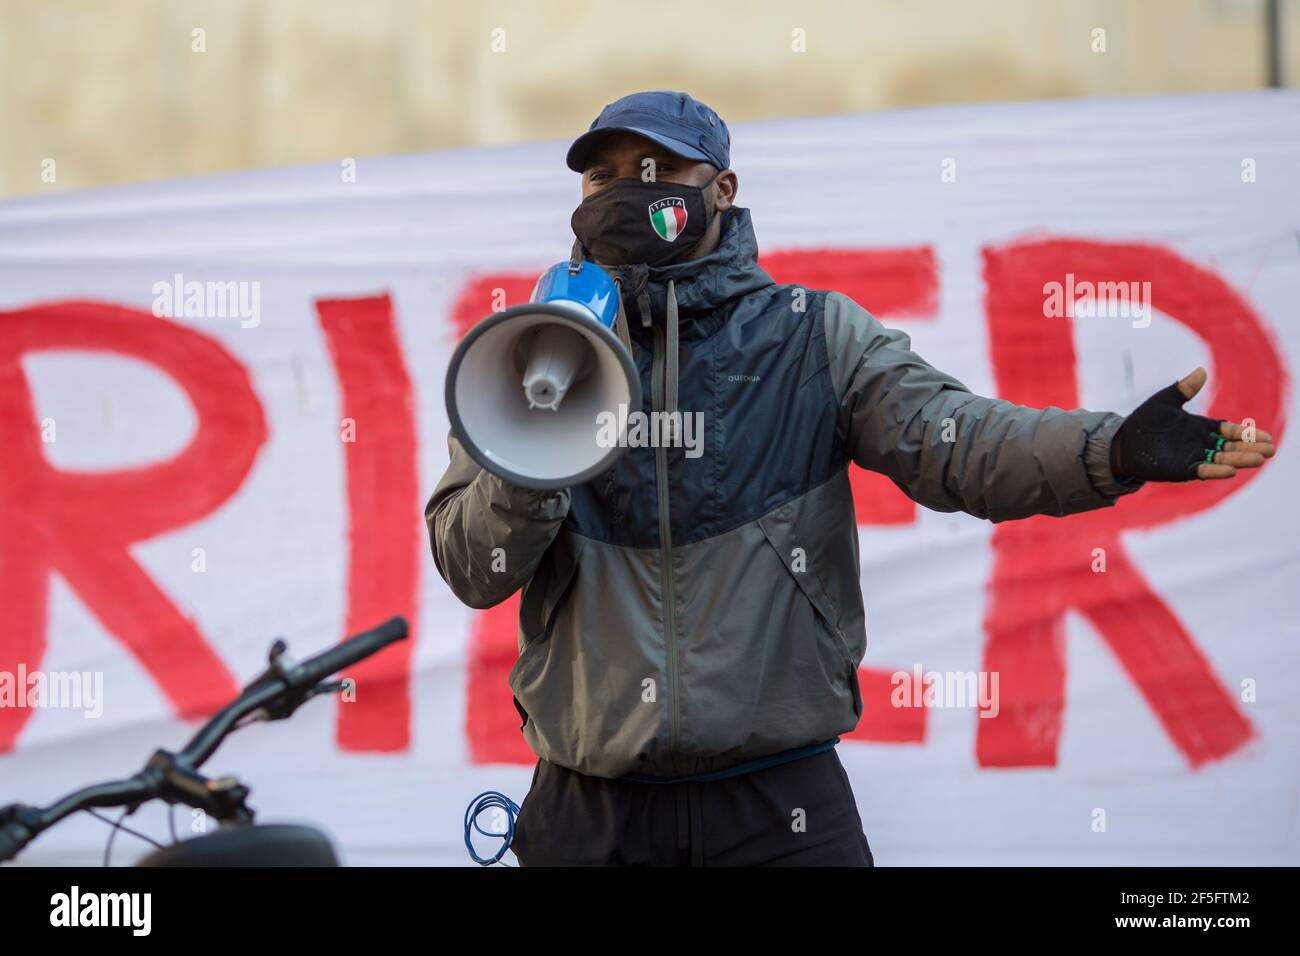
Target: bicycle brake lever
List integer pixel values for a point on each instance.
(279, 671)
(278, 666)
(289, 702)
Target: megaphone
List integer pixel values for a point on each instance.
(530, 389)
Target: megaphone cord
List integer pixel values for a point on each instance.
(490, 800)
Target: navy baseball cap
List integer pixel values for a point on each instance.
(679, 123)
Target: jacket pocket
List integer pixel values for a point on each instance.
(797, 558)
(542, 598)
(549, 586)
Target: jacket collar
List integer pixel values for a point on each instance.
(702, 286)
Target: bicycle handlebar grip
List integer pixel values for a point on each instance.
(12, 839)
(354, 649)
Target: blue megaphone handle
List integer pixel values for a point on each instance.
(590, 286)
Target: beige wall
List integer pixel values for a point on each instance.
(112, 90)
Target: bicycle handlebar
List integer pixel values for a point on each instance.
(354, 649)
(265, 691)
(20, 824)
(11, 843)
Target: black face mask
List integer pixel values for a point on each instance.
(631, 222)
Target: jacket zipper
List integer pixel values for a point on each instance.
(665, 545)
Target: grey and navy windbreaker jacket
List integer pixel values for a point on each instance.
(686, 615)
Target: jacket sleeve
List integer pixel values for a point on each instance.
(489, 535)
(951, 450)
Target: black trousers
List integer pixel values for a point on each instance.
(800, 813)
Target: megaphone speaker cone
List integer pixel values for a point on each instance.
(557, 357)
(527, 388)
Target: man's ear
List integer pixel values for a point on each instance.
(724, 189)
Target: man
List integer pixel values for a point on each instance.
(691, 625)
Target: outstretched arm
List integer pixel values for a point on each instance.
(951, 450)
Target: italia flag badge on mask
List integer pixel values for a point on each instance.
(608, 222)
(668, 216)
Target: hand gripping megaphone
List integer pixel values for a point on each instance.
(527, 386)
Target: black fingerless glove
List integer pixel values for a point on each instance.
(1161, 442)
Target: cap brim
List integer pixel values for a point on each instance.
(583, 145)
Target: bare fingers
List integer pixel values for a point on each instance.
(1262, 448)
(1235, 431)
(1239, 459)
(1212, 472)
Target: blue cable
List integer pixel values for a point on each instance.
(490, 800)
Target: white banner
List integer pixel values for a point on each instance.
(179, 490)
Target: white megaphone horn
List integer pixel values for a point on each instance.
(530, 389)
